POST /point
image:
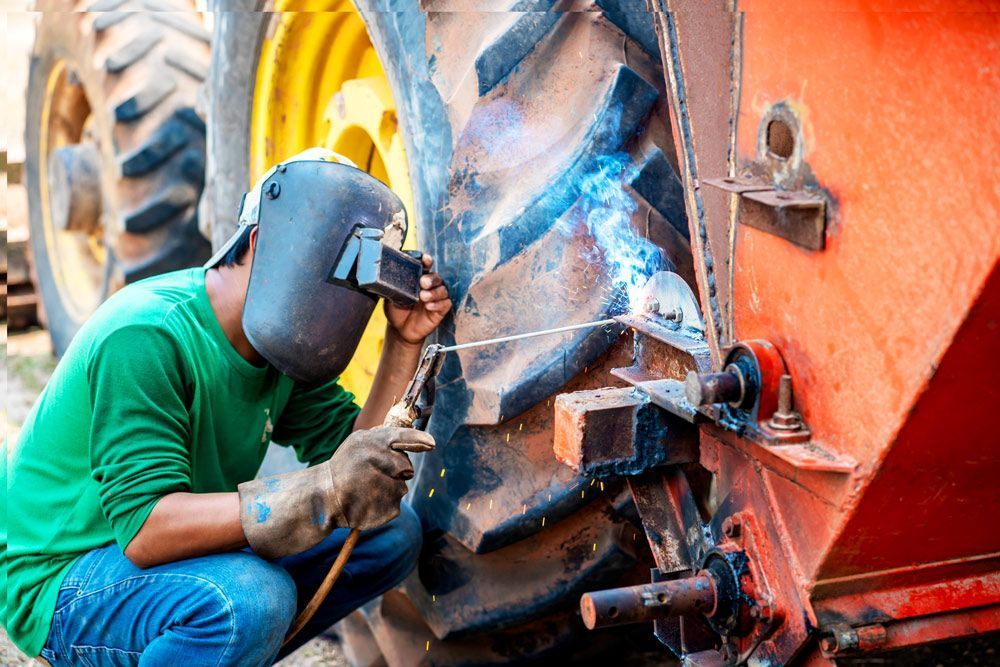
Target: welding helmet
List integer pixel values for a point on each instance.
(324, 229)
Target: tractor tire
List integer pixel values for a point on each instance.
(115, 159)
(505, 117)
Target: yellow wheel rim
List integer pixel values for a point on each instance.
(320, 83)
(79, 261)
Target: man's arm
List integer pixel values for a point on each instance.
(404, 338)
(187, 525)
(396, 367)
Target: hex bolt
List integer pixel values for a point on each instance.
(785, 418)
(675, 315)
(710, 388)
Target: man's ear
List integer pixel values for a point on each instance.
(253, 239)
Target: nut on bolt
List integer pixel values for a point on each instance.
(785, 418)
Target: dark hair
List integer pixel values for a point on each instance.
(239, 250)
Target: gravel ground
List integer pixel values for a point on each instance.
(29, 362)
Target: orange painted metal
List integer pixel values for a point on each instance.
(886, 331)
(889, 331)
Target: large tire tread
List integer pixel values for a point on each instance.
(140, 64)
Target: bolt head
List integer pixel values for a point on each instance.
(273, 190)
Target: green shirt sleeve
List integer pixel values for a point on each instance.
(315, 421)
(139, 432)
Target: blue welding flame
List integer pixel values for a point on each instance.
(605, 209)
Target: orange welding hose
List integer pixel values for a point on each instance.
(324, 588)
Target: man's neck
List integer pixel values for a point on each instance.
(226, 288)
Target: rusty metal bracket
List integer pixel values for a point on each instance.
(617, 431)
(799, 217)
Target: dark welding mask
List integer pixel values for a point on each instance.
(328, 245)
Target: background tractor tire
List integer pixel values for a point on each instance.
(115, 151)
(517, 126)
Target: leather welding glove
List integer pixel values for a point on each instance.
(360, 486)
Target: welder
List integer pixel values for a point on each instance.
(136, 531)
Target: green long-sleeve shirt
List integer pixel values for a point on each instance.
(149, 399)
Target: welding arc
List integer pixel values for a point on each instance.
(531, 334)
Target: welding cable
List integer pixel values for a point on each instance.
(324, 588)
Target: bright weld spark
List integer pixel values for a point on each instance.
(595, 546)
(468, 506)
(606, 210)
(592, 481)
(524, 508)
(508, 437)
(442, 472)
(431, 494)
(602, 486)
(543, 522)
(491, 503)
(428, 646)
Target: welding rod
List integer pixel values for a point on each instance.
(532, 334)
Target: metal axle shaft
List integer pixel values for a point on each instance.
(648, 602)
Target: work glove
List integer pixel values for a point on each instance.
(360, 486)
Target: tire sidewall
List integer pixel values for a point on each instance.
(57, 39)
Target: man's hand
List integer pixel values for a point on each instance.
(414, 324)
(361, 487)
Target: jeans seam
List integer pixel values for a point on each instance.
(62, 637)
(94, 648)
(86, 576)
(121, 583)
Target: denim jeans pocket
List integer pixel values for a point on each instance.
(103, 656)
(49, 656)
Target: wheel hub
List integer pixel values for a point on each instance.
(75, 188)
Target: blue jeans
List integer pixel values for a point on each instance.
(224, 609)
